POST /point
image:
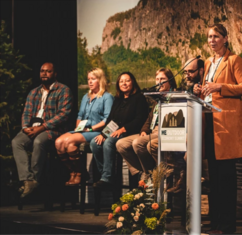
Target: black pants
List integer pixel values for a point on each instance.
(223, 185)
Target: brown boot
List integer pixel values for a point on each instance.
(76, 180)
(72, 177)
(180, 185)
(65, 159)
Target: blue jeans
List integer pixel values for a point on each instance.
(104, 156)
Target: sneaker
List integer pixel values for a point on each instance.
(29, 187)
(21, 189)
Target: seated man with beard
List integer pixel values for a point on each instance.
(44, 118)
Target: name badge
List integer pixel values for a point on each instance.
(81, 125)
(154, 119)
(110, 128)
(40, 113)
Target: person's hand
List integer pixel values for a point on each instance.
(211, 87)
(99, 139)
(197, 89)
(34, 131)
(118, 132)
(143, 133)
(27, 130)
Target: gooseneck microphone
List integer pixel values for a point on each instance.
(160, 84)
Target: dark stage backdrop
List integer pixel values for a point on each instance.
(45, 31)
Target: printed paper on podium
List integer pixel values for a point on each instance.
(173, 127)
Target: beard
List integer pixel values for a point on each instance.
(191, 83)
(49, 81)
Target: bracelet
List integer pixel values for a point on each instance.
(90, 129)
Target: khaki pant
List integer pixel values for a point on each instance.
(139, 152)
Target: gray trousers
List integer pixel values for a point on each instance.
(139, 152)
(30, 169)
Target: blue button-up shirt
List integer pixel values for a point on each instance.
(95, 111)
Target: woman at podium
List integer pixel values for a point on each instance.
(222, 87)
(140, 150)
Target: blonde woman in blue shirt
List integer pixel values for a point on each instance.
(94, 110)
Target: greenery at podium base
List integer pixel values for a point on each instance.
(138, 212)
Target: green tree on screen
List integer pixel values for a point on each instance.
(86, 61)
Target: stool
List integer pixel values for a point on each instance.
(84, 150)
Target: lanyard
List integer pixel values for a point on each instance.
(91, 107)
(215, 68)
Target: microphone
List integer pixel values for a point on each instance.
(160, 84)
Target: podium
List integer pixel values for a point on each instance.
(192, 112)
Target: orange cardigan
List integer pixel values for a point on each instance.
(228, 123)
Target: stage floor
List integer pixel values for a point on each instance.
(34, 220)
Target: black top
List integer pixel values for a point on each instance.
(129, 113)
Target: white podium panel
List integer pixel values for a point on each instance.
(173, 102)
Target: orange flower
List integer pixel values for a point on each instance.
(141, 183)
(118, 209)
(155, 206)
(110, 216)
(125, 207)
(145, 186)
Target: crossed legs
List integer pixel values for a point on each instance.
(67, 149)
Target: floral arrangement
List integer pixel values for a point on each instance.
(137, 212)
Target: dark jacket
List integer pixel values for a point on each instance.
(129, 113)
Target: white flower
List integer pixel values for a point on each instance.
(136, 196)
(142, 205)
(121, 218)
(140, 194)
(138, 210)
(137, 214)
(136, 218)
(134, 225)
(158, 222)
(119, 224)
(132, 214)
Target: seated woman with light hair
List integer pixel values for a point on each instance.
(94, 110)
(140, 150)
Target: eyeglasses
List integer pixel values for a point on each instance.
(185, 72)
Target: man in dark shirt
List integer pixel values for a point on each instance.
(44, 118)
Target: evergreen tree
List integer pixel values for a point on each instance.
(14, 88)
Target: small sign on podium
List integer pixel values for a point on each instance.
(173, 127)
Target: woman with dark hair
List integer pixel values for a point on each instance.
(140, 150)
(222, 86)
(129, 112)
